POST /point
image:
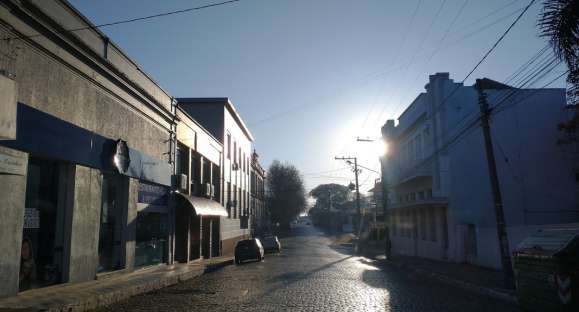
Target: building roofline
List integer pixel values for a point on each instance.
(220, 101)
(92, 27)
(198, 125)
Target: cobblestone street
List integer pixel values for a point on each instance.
(310, 275)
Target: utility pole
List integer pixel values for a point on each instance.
(495, 187)
(358, 211)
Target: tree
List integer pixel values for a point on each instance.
(338, 193)
(286, 196)
(559, 22)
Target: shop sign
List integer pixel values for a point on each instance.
(12, 164)
(31, 218)
(121, 158)
(152, 197)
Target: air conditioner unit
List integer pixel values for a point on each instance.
(235, 166)
(207, 190)
(181, 182)
(212, 190)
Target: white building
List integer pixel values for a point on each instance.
(440, 202)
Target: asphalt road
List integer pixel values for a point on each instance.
(311, 274)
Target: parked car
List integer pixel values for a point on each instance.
(271, 244)
(248, 249)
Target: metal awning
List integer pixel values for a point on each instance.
(204, 206)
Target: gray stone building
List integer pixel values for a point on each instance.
(85, 152)
(260, 222)
(220, 118)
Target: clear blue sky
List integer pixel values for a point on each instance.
(308, 76)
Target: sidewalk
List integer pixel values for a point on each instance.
(93, 294)
(473, 278)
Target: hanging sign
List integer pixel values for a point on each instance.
(121, 159)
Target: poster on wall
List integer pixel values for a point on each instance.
(31, 218)
(152, 198)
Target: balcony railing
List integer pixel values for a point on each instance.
(433, 201)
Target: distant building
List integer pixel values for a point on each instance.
(222, 121)
(260, 215)
(440, 204)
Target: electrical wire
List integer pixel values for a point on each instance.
(132, 20)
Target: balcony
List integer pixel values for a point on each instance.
(433, 201)
(411, 173)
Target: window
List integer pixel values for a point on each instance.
(228, 145)
(429, 193)
(113, 204)
(432, 225)
(423, 223)
(235, 203)
(228, 200)
(234, 151)
(419, 147)
(151, 239)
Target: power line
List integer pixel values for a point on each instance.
(135, 19)
(413, 57)
(493, 47)
(499, 40)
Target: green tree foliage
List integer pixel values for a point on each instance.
(559, 22)
(286, 196)
(338, 193)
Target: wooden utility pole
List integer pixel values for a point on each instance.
(495, 187)
(358, 210)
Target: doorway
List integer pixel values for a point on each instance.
(42, 250)
(113, 214)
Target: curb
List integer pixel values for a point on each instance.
(481, 290)
(105, 298)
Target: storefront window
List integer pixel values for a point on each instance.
(151, 246)
(42, 243)
(113, 206)
(151, 240)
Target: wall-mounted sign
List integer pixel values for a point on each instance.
(12, 164)
(121, 158)
(8, 108)
(152, 198)
(31, 218)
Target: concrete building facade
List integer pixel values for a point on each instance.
(440, 203)
(198, 206)
(86, 174)
(260, 222)
(220, 118)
